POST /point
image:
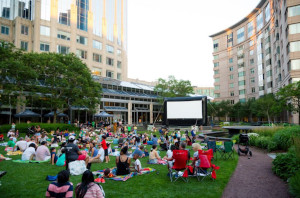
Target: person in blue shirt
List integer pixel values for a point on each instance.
(154, 140)
(139, 151)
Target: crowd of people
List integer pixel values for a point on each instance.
(92, 145)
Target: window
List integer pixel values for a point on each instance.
(252, 80)
(45, 47)
(217, 87)
(81, 54)
(230, 40)
(25, 7)
(216, 57)
(267, 13)
(250, 29)
(119, 64)
(295, 64)
(242, 82)
(242, 100)
(252, 71)
(242, 92)
(216, 45)
(269, 73)
(294, 28)
(45, 9)
(97, 45)
(231, 76)
(217, 80)
(294, 11)
(251, 52)
(110, 49)
(216, 64)
(216, 72)
(295, 46)
(97, 71)
(241, 35)
(253, 89)
(24, 29)
(231, 68)
(97, 58)
(109, 74)
(231, 85)
(109, 61)
(232, 102)
(232, 93)
(268, 51)
(4, 30)
(5, 9)
(251, 61)
(64, 12)
(63, 49)
(63, 35)
(24, 45)
(82, 40)
(241, 74)
(45, 30)
(230, 60)
(268, 62)
(217, 95)
(119, 52)
(82, 14)
(259, 21)
(119, 76)
(251, 43)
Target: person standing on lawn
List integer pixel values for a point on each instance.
(73, 153)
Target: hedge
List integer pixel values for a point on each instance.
(23, 127)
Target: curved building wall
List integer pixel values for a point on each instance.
(254, 57)
(95, 30)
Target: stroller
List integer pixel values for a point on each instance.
(244, 141)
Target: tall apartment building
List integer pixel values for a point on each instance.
(94, 30)
(259, 54)
(206, 91)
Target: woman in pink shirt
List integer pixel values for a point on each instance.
(87, 188)
(42, 152)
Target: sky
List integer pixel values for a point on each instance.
(171, 37)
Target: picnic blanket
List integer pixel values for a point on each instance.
(14, 153)
(3, 144)
(123, 177)
(9, 149)
(163, 162)
(28, 161)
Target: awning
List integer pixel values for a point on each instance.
(27, 114)
(103, 114)
(51, 114)
(115, 108)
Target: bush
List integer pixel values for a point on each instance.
(284, 137)
(286, 165)
(294, 185)
(23, 127)
(236, 138)
(267, 131)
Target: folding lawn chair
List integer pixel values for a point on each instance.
(179, 166)
(212, 145)
(227, 151)
(206, 168)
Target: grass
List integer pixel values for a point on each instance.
(28, 180)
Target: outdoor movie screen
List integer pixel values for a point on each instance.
(184, 109)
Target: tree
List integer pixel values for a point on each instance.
(173, 87)
(225, 107)
(289, 97)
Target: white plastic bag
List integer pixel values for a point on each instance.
(77, 167)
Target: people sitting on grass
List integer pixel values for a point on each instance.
(139, 151)
(10, 142)
(153, 157)
(20, 145)
(29, 153)
(43, 137)
(42, 152)
(169, 155)
(154, 140)
(87, 188)
(73, 153)
(96, 155)
(123, 162)
(53, 156)
(62, 187)
(205, 139)
(137, 164)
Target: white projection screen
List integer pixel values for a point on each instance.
(184, 109)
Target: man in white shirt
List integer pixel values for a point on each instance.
(101, 152)
(21, 144)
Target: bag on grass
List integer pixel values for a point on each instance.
(77, 167)
(61, 160)
(51, 178)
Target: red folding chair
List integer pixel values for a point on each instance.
(206, 168)
(179, 166)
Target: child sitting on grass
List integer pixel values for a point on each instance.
(53, 156)
(137, 164)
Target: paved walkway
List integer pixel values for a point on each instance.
(254, 178)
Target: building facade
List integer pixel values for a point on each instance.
(94, 30)
(259, 54)
(205, 91)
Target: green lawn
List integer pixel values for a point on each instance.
(28, 180)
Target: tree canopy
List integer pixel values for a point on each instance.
(61, 80)
(172, 87)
